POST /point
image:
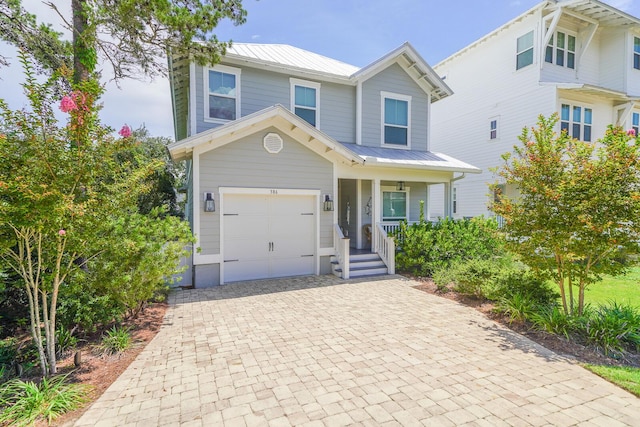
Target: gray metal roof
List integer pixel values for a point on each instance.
(290, 56)
(409, 158)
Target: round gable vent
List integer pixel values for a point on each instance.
(273, 143)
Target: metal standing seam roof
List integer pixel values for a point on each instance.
(290, 56)
(409, 158)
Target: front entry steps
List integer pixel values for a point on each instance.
(366, 264)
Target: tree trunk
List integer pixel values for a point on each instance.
(80, 70)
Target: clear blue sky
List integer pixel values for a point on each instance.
(354, 31)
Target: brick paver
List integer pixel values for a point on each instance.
(320, 351)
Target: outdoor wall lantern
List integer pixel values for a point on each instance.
(209, 203)
(400, 185)
(328, 203)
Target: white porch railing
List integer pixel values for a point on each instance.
(386, 248)
(341, 247)
(393, 227)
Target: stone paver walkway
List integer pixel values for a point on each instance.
(320, 351)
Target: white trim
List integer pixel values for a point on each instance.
(407, 191)
(196, 201)
(554, 35)
(584, 106)
(199, 259)
(399, 97)
(205, 83)
(193, 116)
(533, 49)
(293, 82)
(359, 113)
(359, 213)
(326, 252)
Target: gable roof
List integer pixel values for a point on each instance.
(595, 10)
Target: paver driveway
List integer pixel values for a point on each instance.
(321, 351)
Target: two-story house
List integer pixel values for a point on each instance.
(577, 58)
(296, 159)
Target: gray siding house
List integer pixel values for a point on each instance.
(300, 164)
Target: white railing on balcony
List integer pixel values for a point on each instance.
(341, 247)
(386, 248)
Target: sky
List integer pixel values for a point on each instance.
(357, 32)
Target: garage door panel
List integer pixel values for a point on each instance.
(292, 266)
(245, 204)
(245, 227)
(246, 270)
(246, 249)
(292, 225)
(287, 205)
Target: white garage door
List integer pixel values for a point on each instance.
(268, 236)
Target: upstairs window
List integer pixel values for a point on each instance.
(524, 50)
(305, 100)
(636, 53)
(493, 128)
(222, 101)
(635, 122)
(576, 121)
(561, 50)
(396, 114)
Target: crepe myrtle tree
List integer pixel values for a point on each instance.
(577, 209)
(59, 186)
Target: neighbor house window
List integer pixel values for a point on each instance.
(394, 204)
(524, 50)
(635, 122)
(561, 50)
(576, 121)
(454, 199)
(305, 100)
(493, 128)
(636, 53)
(222, 102)
(396, 119)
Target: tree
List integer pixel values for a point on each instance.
(133, 36)
(56, 197)
(576, 213)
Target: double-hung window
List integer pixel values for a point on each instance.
(493, 128)
(222, 102)
(524, 50)
(395, 204)
(305, 100)
(576, 121)
(636, 53)
(396, 120)
(635, 122)
(561, 50)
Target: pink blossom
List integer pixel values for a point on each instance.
(67, 104)
(62, 232)
(631, 132)
(125, 132)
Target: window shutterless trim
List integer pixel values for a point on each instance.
(306, 84)
(205, 81)
(398, 97)
(526, 61)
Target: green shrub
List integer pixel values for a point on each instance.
(24, 402)
(65, 341)
(426, 247)
(116, 340)
(518, 307)
(517, 279)
(613, 328)
(473, 276)
(552, 318)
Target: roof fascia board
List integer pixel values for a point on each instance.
(372, 162)
(609, 8)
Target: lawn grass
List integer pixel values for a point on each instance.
(623, 289)
(624, 376)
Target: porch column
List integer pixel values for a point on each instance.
(359, 214)
(376, 208)
(447, 200)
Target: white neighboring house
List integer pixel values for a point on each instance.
(296, 160)
(579, 58)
